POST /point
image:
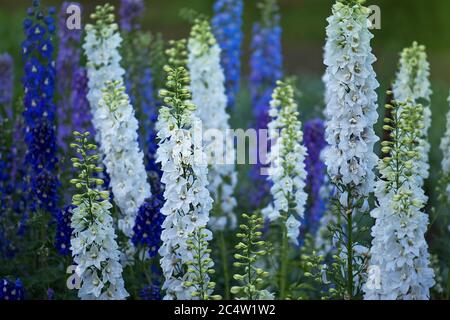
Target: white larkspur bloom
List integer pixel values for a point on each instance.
(114, 121)
(101, 46)
(445, 147)
(123, 160)
(351, 100)
(399, 265)
(208, 94)
(287, 156)
(412, 82)
(93, 244)
(187, 198)
(96, 253)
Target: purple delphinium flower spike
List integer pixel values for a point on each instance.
(67, 64)
(227, 28)
(266, 65)
(81, 114)
(130, 14)
(314, 139)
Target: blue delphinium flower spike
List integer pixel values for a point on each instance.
(39, 112)
(227, 28)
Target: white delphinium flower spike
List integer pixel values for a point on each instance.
(93, 243)
(187, 199)
(351, 113)
(208, 94)
(123, 160)
(399, 265)
(287, 156)
(351, 99)
(113, 117)
(412, 82)
(101, 47)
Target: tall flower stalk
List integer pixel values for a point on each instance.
(227, 28)
(412, 82)
(351, 113)
(314, 136)
(287, 174)
(67, 65)
(123, 160)
(249, 252)
(266, 65)
(93, 243)
(208, 94)
(113, 118)
(39, 111)
(399, 267)
(101, 47)
(187, 199)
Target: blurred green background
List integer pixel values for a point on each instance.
(303, 22)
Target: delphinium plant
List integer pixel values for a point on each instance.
(227, 27)
(67, 65)
(200, 265)
(123, 159)
(39, 199)
(101, 47)
(39, 112)
(351, 113)
(250, 252)
(208, 94)
(314, 137)
(93, 245)
(266, 63)
(114, 119)
(288, 176)
(73, 114)
(412, 82)
(187, 199)
(400, 263)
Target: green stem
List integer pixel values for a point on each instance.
(283, 260)
(349, 251)
(201, 284)
(224, 258)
